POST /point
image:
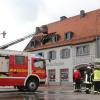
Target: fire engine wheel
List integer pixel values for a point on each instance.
(32, 85)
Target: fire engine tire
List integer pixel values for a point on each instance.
(32, 85)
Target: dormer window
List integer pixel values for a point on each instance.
(52, 37)
(55, 38)
(68, 35)
(35, 43)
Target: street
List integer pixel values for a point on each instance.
(48, 93)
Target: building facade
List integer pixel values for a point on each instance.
(67, 44)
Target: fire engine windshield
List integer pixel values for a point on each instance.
(39, 63)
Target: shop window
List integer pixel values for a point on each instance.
(64, 74)
(51, 75)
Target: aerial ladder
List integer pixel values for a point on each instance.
(43, 29)
(16, 41)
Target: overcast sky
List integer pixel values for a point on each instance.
(20, 17)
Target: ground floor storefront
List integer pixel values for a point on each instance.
(64, 76)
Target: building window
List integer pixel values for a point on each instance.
(82, 50)
(68, 35)
(51, 75)
(19, 60)
(35, 43)
(32, 43)
(46, 40)
(52, 55)
(55, 38)
(65, 53)
(64, 75)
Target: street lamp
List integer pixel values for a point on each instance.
(3, 33)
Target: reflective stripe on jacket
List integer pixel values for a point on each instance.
(87, 79)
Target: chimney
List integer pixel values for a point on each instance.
(44, 29)
(37, 30)
(62, 18)
(82, 13)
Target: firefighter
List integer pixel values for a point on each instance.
(96, 79)
(88, 80)
(77, 80)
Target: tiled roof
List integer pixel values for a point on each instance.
(85, 29)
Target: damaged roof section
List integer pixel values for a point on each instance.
(82, 28)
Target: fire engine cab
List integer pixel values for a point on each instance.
(22, 70)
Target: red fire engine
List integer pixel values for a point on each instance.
(23, 70)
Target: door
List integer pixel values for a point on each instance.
(39, 67)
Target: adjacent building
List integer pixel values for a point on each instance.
(67, 43)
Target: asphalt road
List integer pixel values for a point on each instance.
(48, 93)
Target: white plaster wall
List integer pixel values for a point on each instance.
(84, 59)
(59, 63)
(70, 62)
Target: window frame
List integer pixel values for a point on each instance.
(35, 43)
(39, 61)
(55, 38)
(64, 73)
(18, 61)
(52, 55)
(82, 50)
(52, 75)
(65, 53)
(68, 35)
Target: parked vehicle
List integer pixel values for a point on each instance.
(23, 70)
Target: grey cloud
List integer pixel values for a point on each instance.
(26, 10)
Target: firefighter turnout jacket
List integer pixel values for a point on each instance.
(96, 74)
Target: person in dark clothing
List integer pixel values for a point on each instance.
(88, 80)
(77, 77)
